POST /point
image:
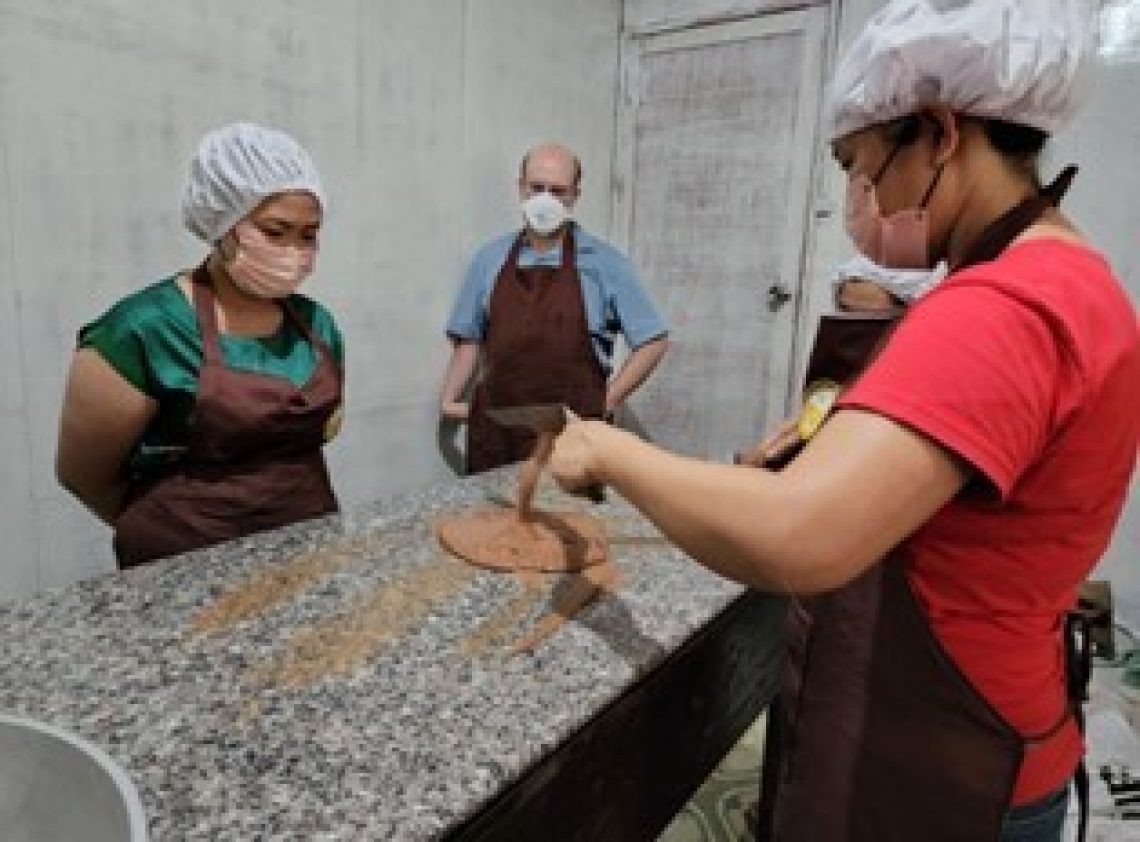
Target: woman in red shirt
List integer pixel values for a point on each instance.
(935, 530)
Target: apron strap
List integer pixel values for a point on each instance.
(569, 257)
(1007, 227)
(1078, 671)
(306, 330)
(1055, 191)
(568, 254)
(1081, 785)
(202, 290)
(512, 259)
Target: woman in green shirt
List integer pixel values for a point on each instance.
(196, 409)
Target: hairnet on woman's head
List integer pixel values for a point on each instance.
(235, 168)
(1022, 61)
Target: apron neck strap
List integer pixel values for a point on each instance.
(516, 249)
(568, 249)
(1009, 226)
(306, 329)
(1056, 189)
(568, 253)
(202, 290)
(303, 326)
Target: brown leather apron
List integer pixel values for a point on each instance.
(537, 350)
(877, 735)
(252, 459)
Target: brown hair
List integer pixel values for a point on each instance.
(1019, 145)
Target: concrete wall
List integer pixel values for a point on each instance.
(651, 15)
(416, 112)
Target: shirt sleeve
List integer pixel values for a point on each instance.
(117, 338)
(468, 319)
(977, 371)
(628, 304)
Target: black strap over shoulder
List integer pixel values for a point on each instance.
(1009, 225)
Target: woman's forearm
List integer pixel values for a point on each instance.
(725, 516)
(859, 488)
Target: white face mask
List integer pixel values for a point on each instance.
(544, 213)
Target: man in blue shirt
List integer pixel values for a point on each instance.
(539, 311)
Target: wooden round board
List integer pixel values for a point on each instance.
(552, 542)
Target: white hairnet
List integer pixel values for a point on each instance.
(235, 168)
(904, 284)
(1022, 61)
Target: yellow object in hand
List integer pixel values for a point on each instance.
(819, 397)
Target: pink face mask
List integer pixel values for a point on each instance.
(898, 241)
(264, 269)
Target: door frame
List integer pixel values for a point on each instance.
(816, 22)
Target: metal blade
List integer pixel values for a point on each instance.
(541, 418)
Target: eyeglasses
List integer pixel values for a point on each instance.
(559, 190)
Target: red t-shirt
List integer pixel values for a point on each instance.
(1028, 368)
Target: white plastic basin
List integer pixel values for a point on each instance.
(56, 787)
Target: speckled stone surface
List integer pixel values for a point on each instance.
(377, 699)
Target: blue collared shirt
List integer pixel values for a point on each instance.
(615, 301)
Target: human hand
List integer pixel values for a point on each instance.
(612, 403)
(865, 296)
(455, 410)
(785, 437)
(575, 462)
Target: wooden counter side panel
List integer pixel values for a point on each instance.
(626, 773)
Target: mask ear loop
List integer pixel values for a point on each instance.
(930, 190)
(226, 249)
(227, 246)
(938, 133)
(890, 159)
(910, 134)
(909, 130)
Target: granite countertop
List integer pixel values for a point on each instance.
(342, 678)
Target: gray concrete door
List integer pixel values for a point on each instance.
(716, 140)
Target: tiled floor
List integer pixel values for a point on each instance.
(716, 812)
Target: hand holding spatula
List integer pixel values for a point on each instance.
(547, 421)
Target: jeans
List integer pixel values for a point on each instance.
(1038, 821)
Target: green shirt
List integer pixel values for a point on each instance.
(152, 339)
